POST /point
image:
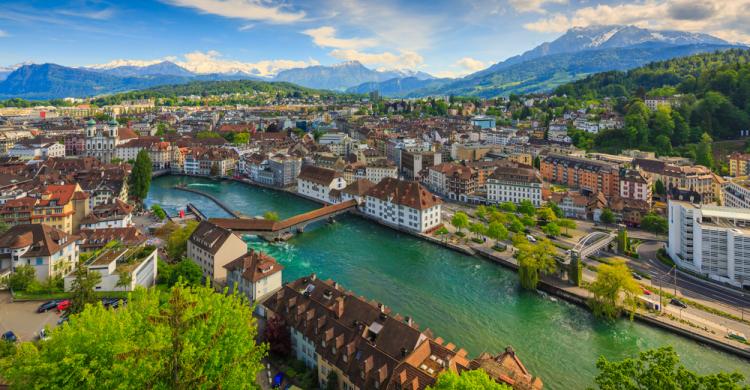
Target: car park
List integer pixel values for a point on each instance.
(47, 306)
(9, 336)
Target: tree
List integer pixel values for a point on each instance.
(207, 134)
(508, 207)
(497, 231)
(655, 224)
(271, 216)
(125, 279)
(551, 229)
(4, 227)
(481, 212)
(607, 216)
(567, 224)
(660, 369)
(613, 282)
(277, 336)
(158, 212)
(140, 176)
(659, 188)
(460, 220)
(623, 243)
(186, 271)
(533, 261)
(477, 228)
(556, 209)
(195, 339)
(22, 277)
(82, 289)
(546, 215)
(177, 241)
(442, 233)
(468, 380)
(241, 139)
(703, 152)
(526, 207)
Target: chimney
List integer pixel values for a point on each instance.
(381, 307)
(408, 321)
(313, 276)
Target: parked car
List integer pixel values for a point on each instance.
(43, 334)
(9, 336)
(678, 303)
(636, 276)
(47, 306)
(63, 305)
(646, 291)
(530, 238)
(63, 318)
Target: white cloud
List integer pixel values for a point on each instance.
(533, 5)
(471, 64)
(104, 14)
(384, 60)
(257, 10)
(212, 62)
(246, 27)
(725, 19)
(4, 34)
(326, 37)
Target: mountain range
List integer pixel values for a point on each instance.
(574, 55)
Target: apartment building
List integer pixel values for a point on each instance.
(284, 169)
(369, 347)
(711, 240)
(61, 206)
(581, 173)
(212, 247)
(379, 169)
(737, 193)
(636, 185)
(255, 275)
(317, 183)
(693, 178)
(403, 204)
(453, 181)
(738, 164)
(515, 183)
(50, 251)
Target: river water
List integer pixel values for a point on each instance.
(470, 302)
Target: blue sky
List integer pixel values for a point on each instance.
(442, 37)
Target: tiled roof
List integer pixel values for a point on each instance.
(44, 239)
(317, 175)
(402, 192)
(209, 237)
(255, 265)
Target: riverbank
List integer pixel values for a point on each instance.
(560, 289)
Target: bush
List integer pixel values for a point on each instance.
(477, 240)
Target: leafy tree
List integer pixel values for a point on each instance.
(22, 277)
(124, 280)
(607, 216)
(241, 139)
(533, 261)
(704, 153)
(508, 207)
(528, 220)
(140, 176)
(613, 282)
(556, 209)
(526, 207)
(271, 215)
(187, 271)
(551, 229)
(481, 212)
(460, 220)
(497, 231)
(567, 224)
(623, 243)
(468, 380)
(660, 369)
(545, 215)
(4, 227)
(177, 241)
(82, 288)
(515, 225)
(207, 134)
(477, 228)
(194, 339)
(442, 233)
(655, 224)
(158, 212)
(659, 188)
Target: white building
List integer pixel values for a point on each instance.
(514, 184)
(737, 194)
(254, 274)
(50, 251)
(138, 263)
(101, 142)
(379, 170)
(317, 183)
(37, 149)
(403, 204)
(339, 143)
(711, 240)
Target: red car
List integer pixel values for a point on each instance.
(645, 292)
(63, 305)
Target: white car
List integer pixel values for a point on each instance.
(530, 238)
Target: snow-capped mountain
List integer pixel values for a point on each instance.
(342, 76)
(165, 68)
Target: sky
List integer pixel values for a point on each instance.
(446, 38)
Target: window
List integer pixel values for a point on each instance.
(39, 261)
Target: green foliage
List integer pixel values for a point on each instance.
(660, 369)
(614, 282)
(477, 228)
(125, 279)
(460, 220)
(177, 241)
(545, 215)
(468, 380)
(659, 188)
(241, 139)
(567, 224)
(508, 207)
(196, 339)
(497, 231)
(533, 261)
(655, 224)
(703, 152)
(551, 229)
(4, 227)
(186, 271)
(556, 209)
(140, 176)
(207, 134)
(526, 207)
(22, 277)
(271, 215)
(623, 243)
(607, 216)
(82, 289)
(158, 211)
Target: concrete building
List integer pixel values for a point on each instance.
(581, 173)
(50, 251)
(255, 275)
(453, 181)
(738, 164)
(711, 240)
(403, 204)
(737, 193)
(317, 183)
(285, 169)
(379, 170)
(515, 184)
(138, 263)
(212, 247)
(37, 149)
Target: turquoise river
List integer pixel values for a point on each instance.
(473, 303)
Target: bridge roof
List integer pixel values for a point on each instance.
(264, 225)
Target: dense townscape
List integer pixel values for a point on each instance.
(621, 192)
